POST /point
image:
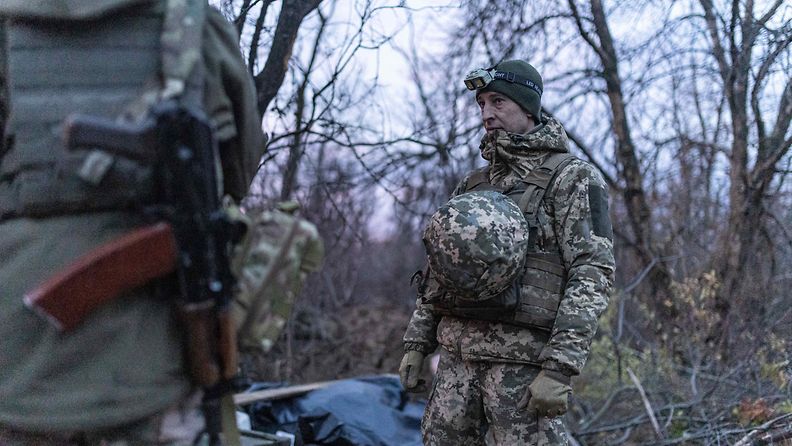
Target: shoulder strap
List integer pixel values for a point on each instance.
(478, 180)
(537, 183)
(181, 76)
(181, 42)
(539, 180)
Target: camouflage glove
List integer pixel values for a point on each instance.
(547, 395)
(410, 370)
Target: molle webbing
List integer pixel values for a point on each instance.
(543, 286)
(534, 185)
(544, 274)
(58, 68)
(117, 67)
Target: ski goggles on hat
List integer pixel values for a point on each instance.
(481, 77)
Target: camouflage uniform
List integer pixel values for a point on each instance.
(120, 376)
(486, 366)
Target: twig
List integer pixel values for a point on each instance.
(748, 439)
(647, 404)
(604, 408)
(634, 421)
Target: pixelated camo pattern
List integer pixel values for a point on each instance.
(466, 393)
(566, 227)
(476, 243)
(274, 265)
(512, 156)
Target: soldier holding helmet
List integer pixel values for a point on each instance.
(513, 288)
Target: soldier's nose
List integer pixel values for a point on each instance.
(486, 113)
(488, 118)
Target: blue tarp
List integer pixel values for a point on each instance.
(367, 411)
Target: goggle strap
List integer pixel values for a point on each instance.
(514, 78)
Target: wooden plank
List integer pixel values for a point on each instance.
(290, 391)
(281, 392)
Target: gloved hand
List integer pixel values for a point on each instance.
(547, 395)
(410, 370)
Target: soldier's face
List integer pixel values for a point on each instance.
(501, 113)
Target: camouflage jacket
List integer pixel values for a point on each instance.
(573, 223)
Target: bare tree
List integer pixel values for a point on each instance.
(748, 50)
(279, 50)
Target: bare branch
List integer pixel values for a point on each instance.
(765, 169)
(270, 79)
(582, 30)
(717, 48)
(647, 404)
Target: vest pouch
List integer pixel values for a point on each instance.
(542, 288)
(497, 308)
(124, 183)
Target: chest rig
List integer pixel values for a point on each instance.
(534, 299)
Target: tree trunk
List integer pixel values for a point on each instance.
(639, 212)
(743, 291)
(270, 79)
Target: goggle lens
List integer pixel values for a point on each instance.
(477, 79)
(474, 84)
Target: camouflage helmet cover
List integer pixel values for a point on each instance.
(476, 244)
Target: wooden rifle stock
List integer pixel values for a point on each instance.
(100, 275)
(211, 345)
(123, 264)
(179, 143)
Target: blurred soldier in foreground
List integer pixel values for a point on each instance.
(119, 377)
(520, 265)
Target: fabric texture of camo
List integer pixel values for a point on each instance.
(476, 243)
(271, 265)
(573, 222)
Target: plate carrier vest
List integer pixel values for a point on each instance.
(522, 304)
(109, 68)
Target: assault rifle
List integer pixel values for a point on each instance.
(191, 239)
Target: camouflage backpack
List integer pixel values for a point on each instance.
(271, 265)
